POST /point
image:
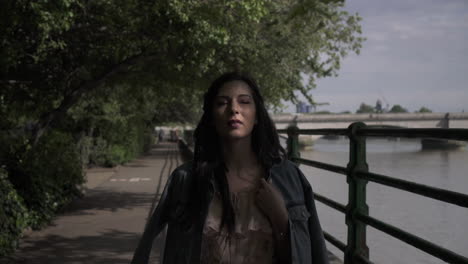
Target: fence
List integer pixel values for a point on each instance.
(358, 175)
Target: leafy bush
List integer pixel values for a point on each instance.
(47, 176)
(116, 155)
(13, 216)
(120, 142)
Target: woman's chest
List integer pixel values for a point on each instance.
(251, 240)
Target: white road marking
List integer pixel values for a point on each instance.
(131, 179)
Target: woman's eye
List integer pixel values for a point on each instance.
(221, 103)
(245, 100)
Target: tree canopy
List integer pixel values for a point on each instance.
(398, 109)
(55, 53)
(365, 108)
(424, 109)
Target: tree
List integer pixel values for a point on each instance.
(398, 109)
(55, 53)
(424, 109)
(365, 108)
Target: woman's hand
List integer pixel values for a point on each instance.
(271, 203)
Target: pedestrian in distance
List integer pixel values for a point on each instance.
(161, 135)
(240, 200)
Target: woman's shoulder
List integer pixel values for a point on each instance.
(288, 171)
(179, 181)
(285, 165)
(182, 172)
(184, 168)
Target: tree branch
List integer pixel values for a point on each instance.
(72, 98)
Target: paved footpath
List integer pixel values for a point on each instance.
(104, 227)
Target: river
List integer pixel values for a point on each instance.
(438, 222)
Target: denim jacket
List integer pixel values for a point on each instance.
(182, 246)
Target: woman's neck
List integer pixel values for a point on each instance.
(238, 155)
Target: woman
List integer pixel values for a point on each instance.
(240, 200)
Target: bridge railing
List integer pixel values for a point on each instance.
(358, 175)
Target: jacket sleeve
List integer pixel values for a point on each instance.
(155, 224)
(319, 250)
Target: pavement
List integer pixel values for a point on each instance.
(106, 224)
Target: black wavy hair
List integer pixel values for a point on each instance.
(208, 163)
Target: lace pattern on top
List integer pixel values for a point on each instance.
(252, 240)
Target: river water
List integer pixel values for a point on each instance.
(438, 222)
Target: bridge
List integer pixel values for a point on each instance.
(407, 120)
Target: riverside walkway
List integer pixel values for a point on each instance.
(104, 226)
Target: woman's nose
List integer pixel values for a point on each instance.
(234, 108)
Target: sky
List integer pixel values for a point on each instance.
(416, 54)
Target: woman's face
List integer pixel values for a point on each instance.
(234, 113)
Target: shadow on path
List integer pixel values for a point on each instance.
(111, 246)
(104, 200)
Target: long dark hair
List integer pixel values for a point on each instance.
(208, 163)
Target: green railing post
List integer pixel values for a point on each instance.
(293, 142)
(356, 196)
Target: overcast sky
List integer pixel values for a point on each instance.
(416, 54)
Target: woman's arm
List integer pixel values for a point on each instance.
(154, 226)
(319, 250)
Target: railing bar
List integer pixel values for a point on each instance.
(329, 202)
(363, 259)
(452, 197)
(324, 131)
(321, 165)
(413, 240)
(445, 133)
(334, 241)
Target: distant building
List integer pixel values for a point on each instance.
(378, 106)
(302, 107)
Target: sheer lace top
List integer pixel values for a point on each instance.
(252, 240)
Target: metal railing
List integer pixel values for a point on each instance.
(358, 175)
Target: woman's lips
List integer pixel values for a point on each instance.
(234, 123)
